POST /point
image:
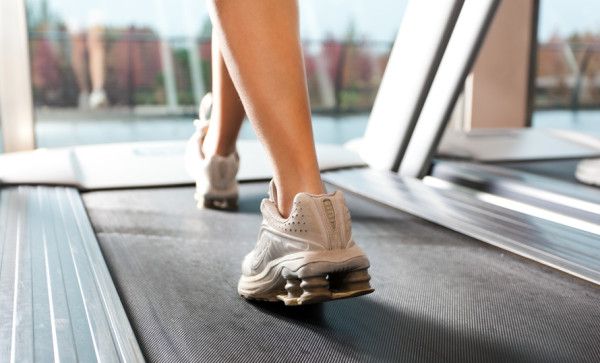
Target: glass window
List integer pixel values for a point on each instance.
(567, 93)
(112, 71)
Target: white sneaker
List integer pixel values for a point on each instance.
(98, 99)
(216, 182)
(588, 171)
(308, 257)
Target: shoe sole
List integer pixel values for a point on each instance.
(225, 204)
(310, 277)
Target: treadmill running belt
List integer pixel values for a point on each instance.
(439, 296)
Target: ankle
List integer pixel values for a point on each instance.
(287, 192)
(224, 150)
(210, 147)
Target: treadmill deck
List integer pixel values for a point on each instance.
(439, 295)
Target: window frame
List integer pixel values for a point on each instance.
(16, 99)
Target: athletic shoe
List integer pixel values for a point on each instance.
(98, 99)
(308, 257)
(588, 171)
(216, 183)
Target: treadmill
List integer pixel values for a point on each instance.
(131, 272)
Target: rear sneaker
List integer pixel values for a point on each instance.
(588, 171)
(308, 257)
(215, 176)
(98, 99)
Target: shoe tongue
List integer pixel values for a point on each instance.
(273, 191)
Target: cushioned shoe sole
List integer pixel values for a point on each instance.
(310, 277)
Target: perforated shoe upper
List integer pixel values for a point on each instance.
(316, 222)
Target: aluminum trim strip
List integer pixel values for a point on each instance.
(119, 323)
(7, 274)
(57, 299)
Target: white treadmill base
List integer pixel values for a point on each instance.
(140, 164)
(497, 145)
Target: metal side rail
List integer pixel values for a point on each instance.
(472, 213)
(573, 200)
(57, 299)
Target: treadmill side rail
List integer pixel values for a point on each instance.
(563, 247)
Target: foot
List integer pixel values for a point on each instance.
(215, 175)
(588, 171)
(98, 99)
(308, 257)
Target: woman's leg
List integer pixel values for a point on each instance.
(96, 53)
(260, 42)
(78, 43)
(227, 110)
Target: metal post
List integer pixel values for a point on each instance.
(580, 77)
(327, 89)
(166, 58)
(198, 87)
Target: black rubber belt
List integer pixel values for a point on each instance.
(440, 296)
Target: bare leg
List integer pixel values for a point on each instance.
(261, 48)
(78, 62)
(96, 52)
(227, 110)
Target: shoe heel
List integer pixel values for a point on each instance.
(308, 290)
(227, 204)
(221, 203)
(315, 289)
(350, 283)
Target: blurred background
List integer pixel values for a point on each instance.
(112, 71)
